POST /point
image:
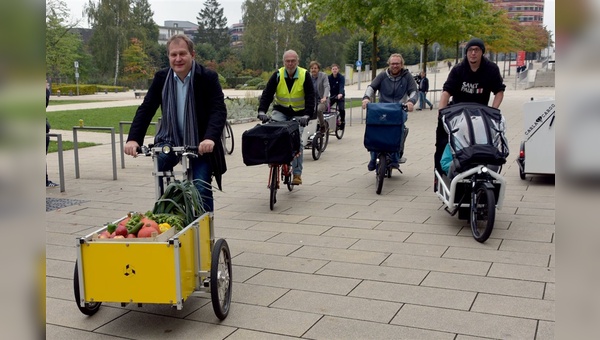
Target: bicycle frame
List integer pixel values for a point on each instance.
(473, 175)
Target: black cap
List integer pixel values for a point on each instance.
(476, 42)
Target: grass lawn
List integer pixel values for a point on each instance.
(67, 145)
(105, 117)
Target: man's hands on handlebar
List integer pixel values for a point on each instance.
(303, 121)
(263, 117)
(131, 148)
(409, 105)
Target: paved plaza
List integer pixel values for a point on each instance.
(333, 260)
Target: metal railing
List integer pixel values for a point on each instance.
(121, 123)
(112, 144)
(61, 166)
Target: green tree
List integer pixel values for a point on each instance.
(109, 21)
(143, 27)
(212, 27)
(271, 27)
(371, 16)
(63, 47)
(424, 22)
(136, 64)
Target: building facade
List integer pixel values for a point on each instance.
(527, 12)
(172, 27)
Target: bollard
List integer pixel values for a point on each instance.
(58, 92)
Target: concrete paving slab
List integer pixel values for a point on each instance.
(341, 328)
(438, 264)
(514, 306)
(418, 295)
(373, 273)
(514, 288)
(300, 281)
(341, 306)
(464, 322)
(264, 319)
(135, 325)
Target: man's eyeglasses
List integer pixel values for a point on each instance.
(396, 64)
(474, 50)
(290, 61)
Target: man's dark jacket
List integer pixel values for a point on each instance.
(211, 113)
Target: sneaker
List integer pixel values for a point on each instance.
(342, 125)
(297, 180)
(402, 160)
(431, 107)
(51, 184)
(371, 165)
(323, 130)
(419, 109)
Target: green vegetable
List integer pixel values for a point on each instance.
(136, 228)
(111, 228)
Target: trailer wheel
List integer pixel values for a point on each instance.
(220, 279)
(89, 308)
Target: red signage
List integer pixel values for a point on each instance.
(521, 58)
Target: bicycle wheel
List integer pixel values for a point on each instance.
(273, 186)
(89, 308)
(326, 137)
(380, 172)
(286, 174)
(483, 212)
(220, 279)
(339, 133)
(317, 145)
(227, 138)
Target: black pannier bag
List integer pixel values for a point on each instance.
(272, 143)
(476, 135)
(384, 127)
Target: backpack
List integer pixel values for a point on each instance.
(475, 134)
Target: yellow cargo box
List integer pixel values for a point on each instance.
(164, 269)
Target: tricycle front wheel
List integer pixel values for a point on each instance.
(88, 308)
(220, 279)
(483, 213)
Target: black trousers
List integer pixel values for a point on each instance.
(441, 139)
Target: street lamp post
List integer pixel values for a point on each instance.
(77, 76)
(359, 61)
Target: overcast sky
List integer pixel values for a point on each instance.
(171, 10)
(188, 10)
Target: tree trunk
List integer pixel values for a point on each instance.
(117, 64)
(374, 57)
(425, 55)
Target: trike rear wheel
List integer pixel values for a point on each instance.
(483, 213)
(325, 137)
(220, 279)
(317, 145)
(89, 308)
(227, 139)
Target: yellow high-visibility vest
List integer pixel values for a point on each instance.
(295, 98)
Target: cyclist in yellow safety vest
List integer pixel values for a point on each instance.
(292, 91)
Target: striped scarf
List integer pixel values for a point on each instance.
(168, 131)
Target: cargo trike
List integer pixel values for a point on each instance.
(473, 186)
(165, 266)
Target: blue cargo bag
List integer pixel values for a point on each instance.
(384, 127)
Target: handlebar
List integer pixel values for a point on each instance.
(186, 150)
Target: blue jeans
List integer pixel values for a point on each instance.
(297, 162)
(201, 170)
(423, 100)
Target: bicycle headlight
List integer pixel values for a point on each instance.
(166, 149)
